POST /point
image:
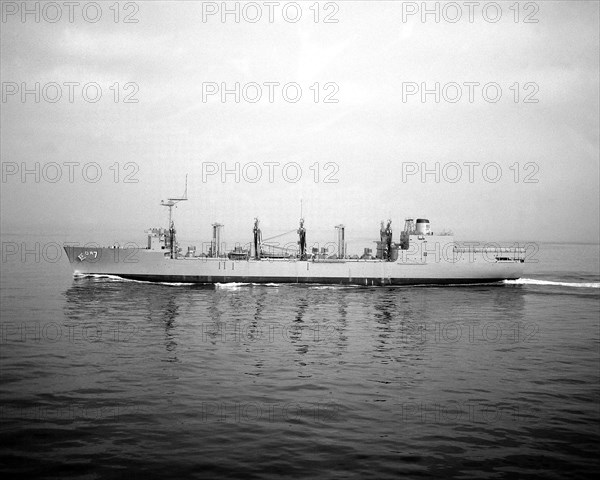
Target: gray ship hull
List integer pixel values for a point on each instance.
(155, 266)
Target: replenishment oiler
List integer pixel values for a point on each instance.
(420, 257)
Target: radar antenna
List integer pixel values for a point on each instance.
(171, 202)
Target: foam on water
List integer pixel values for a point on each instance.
(533, 281)
(333, 287)
(113, 278)
(116, 278)
(231, 285)
(236, 285)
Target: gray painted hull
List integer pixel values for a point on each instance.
(149, 265)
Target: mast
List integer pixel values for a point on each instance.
(302, 241)
(171, 202)
(257, 239)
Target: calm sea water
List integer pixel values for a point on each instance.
(102, 378)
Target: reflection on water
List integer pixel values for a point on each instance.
(389, 359)
(383, 322)
(129, 308)
(297, 330)
(395, 321)
(168, 316)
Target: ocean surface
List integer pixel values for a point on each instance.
(105, 378)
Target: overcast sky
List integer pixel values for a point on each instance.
(375, 133)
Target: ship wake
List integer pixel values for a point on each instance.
(533, 281)
(116, 278)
